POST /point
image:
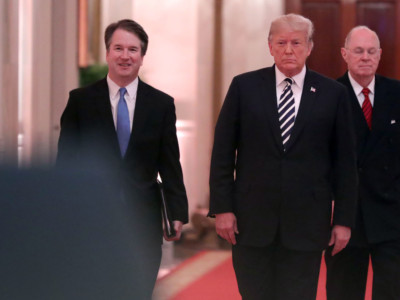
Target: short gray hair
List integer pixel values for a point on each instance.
(294, 22)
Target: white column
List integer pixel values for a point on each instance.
(64, 63)
(175, 64)
(246, 26)
(35, 82)
(204, 101)
(8, 81)
(112, 11)
(2, 42)
(48, 69)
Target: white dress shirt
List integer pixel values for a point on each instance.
(297, 86)
(130, 98)
(357, 88)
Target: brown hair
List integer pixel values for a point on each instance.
(130, 26)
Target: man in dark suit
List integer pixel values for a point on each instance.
(375, 103)
(125, 128)
(283, 149)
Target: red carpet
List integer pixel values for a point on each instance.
(218, 282)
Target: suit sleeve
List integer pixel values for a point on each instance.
(224, 153)
(345, 179)
(68, 142)
(170, 168)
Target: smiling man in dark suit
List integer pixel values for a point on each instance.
(283, 150)
(125, 128)
(375, 103)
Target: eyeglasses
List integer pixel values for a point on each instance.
(360, 51)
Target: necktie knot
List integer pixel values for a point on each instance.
(122, 92)
(289, 80)
(365, 91)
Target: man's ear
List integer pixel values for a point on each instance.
(270, 48)
(343, 51)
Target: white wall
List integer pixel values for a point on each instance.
(246, 26)
(47, 71)
(171, 64)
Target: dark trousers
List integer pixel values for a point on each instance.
(347, 272)
(276, 273)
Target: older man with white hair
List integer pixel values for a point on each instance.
(375, 102)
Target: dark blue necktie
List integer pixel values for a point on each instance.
(286, 112)
(123, 124)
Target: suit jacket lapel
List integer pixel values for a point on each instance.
(379, 116)
(358, 115)
(381, 107)
(309, 94)
(360, 124)
(366, 139)
(142, 109)
(103, 105)
(269, 101)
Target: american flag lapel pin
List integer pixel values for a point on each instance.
(393, 122)
(313, 89)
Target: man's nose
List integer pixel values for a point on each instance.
(288, 48)
(365, 55)
(125, 53)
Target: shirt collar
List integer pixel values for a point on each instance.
(358, 88)
(131, 89)
(298, 78)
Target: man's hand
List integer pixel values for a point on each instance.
(340, 236)
(226, 226)
(178, 229)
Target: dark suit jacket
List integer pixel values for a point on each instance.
(288, 191)
(378, 163)
(88, 137)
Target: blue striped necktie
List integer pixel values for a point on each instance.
(123, 124)
(286, 112)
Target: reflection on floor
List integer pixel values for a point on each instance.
(206, 275)
(196, 241)
(191, 244)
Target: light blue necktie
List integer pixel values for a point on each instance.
(123, 124)
(286, 112)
